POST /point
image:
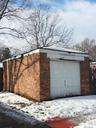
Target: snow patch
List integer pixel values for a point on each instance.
(65, 107)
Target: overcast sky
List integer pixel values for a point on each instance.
(77, 14)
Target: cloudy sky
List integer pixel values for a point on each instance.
(77, 14)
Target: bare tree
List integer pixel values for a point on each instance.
(87, 45)
(10, 9)
(44, 29)
(3, 7)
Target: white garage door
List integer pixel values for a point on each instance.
(65, 78)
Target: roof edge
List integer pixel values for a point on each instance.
(38, 50)
(67, 50)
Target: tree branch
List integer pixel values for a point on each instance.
(2, 10)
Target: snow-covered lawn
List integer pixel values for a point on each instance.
(73, 107)
(88, 124)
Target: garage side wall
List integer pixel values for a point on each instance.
(85, 83)
(22, 76)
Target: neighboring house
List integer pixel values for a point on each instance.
(47, 73)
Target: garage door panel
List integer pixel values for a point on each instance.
(65, 78)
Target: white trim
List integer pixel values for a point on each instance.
(49, 51)
(64, 55)
(26, 54)
(32, 52)
(63, 50)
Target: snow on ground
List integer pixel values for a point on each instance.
(64, 107)
(88, 124)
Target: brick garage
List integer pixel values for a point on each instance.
(43, 73)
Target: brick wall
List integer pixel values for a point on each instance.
(28, 76)
(44, 77)
(1, 79)
(22, 76)
(85, 84)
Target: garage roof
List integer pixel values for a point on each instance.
(51, 49)
(64, 50)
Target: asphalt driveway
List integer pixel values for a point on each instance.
(7, 122)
